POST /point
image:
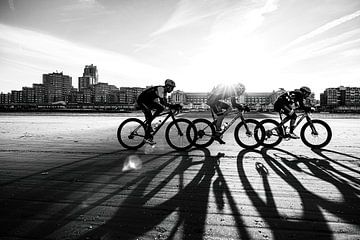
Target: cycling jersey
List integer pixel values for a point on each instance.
(217, 96)
(150, 95)
(288, 99)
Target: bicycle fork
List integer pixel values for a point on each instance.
(313, 130)
(177, 126)
(248, 132)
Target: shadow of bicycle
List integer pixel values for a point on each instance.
(301, 197)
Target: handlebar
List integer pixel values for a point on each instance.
(244, 108)
(175, 109)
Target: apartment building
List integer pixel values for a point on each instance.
(57, 87)
(28, 95)
(340, 99)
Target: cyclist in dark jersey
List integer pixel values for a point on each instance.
(216, 101)
(289, 101)
(154, 98)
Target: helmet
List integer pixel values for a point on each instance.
(239, 88)
(305, 90)
(169, 82)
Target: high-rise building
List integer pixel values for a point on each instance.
(341, 99)
(16, 96)
(57, 86)
(91, 72)
(84, 83)
(28, 95)
(39, 90)
(101, 91)
(5, 98)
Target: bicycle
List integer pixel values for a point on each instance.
(315, 133)
(179, 134)
(244, 132)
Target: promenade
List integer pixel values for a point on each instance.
(67, 177)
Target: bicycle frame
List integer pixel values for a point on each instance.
(238, 114)
(169, 114)
(299, 119)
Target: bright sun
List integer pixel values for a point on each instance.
(231, 61)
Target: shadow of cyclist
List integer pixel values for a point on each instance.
(281, 228)
(221, 191)
(171, 194)
(43, 192)
(337, 175)
(350, 158)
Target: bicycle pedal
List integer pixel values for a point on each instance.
(149, 141)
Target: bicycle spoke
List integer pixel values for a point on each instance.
(205, 131)
(245, 133)
(316, 135)
(180, 134)
(131, 133)
(273, 134)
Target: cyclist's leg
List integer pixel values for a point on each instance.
(158, 109)
(148, 117)
(290, 113)
(220, 109)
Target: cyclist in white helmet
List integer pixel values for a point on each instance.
(216, 101)
(154, 98)
(289, 101)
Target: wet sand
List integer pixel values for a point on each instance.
(65, 176)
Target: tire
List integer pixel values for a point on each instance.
(271, 136)
(316, 141)
(246, 140)
(183, 139)
(205, 131)
(131, 133)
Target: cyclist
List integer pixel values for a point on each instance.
(288, 102)
(216, 101)
(154, 98)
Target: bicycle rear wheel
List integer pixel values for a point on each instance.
(272, 133)
(131, 133)
(318, 137)
(205, 131)
(246, 139)
(180, 134)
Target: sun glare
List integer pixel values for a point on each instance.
(231, 61)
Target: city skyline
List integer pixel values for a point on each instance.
(181, 90)
(266, 45)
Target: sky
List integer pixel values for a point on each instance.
(264, 44)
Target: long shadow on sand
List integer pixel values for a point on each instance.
(182, 207)
(37, 206)
(312, 224)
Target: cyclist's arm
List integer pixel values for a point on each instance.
(301, 105)
(162, 96)
(235, 104)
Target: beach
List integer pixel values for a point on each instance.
(65, 176)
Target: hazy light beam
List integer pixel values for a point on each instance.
(323, 29)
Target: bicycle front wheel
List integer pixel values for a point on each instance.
(316, 134)
(180, 134)
(245, 133)
(272, 133)
(131, 133)
(205, 131)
